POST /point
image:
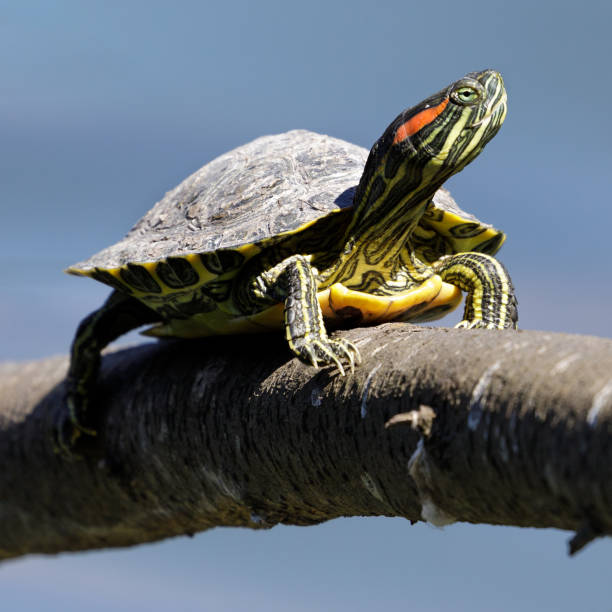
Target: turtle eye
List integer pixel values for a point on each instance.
(466, 95)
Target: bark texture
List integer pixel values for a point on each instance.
(509, 428)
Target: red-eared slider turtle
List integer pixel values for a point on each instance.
(292, 230)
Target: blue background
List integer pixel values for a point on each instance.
(107, 105)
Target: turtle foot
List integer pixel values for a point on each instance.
(326, 351)
(71, 438)
(481, 324)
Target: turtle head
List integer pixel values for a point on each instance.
(421, 148)
(426, 144)
(448, 130)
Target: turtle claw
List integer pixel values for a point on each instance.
(349, 352)
(312, 358)
(68, 431)
(465, 324)
(333, 358)
(477, 324)
(352, 353)
(64, 440)
(338, 365)
(326, 351)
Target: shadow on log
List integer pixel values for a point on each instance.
(507, 428)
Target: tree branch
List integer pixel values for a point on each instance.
(495, 427)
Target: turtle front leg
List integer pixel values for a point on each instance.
(490, 301)
(119, 314)
(294, 282)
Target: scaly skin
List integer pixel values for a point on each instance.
(119, 314)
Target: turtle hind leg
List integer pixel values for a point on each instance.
(293, 282)
(490, 302)
(118, 315)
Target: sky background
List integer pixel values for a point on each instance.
(104, 106)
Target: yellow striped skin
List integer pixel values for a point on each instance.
(490, 301)
(393, 257)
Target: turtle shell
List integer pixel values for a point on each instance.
(271, 186)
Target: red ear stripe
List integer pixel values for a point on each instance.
(420, 120)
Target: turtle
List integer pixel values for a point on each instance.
(302, 230)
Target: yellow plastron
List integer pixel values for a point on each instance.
(339, 303)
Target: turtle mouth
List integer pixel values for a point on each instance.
(500, 103)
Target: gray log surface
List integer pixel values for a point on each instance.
(507, 428)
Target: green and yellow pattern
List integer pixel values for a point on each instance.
(392, 254)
